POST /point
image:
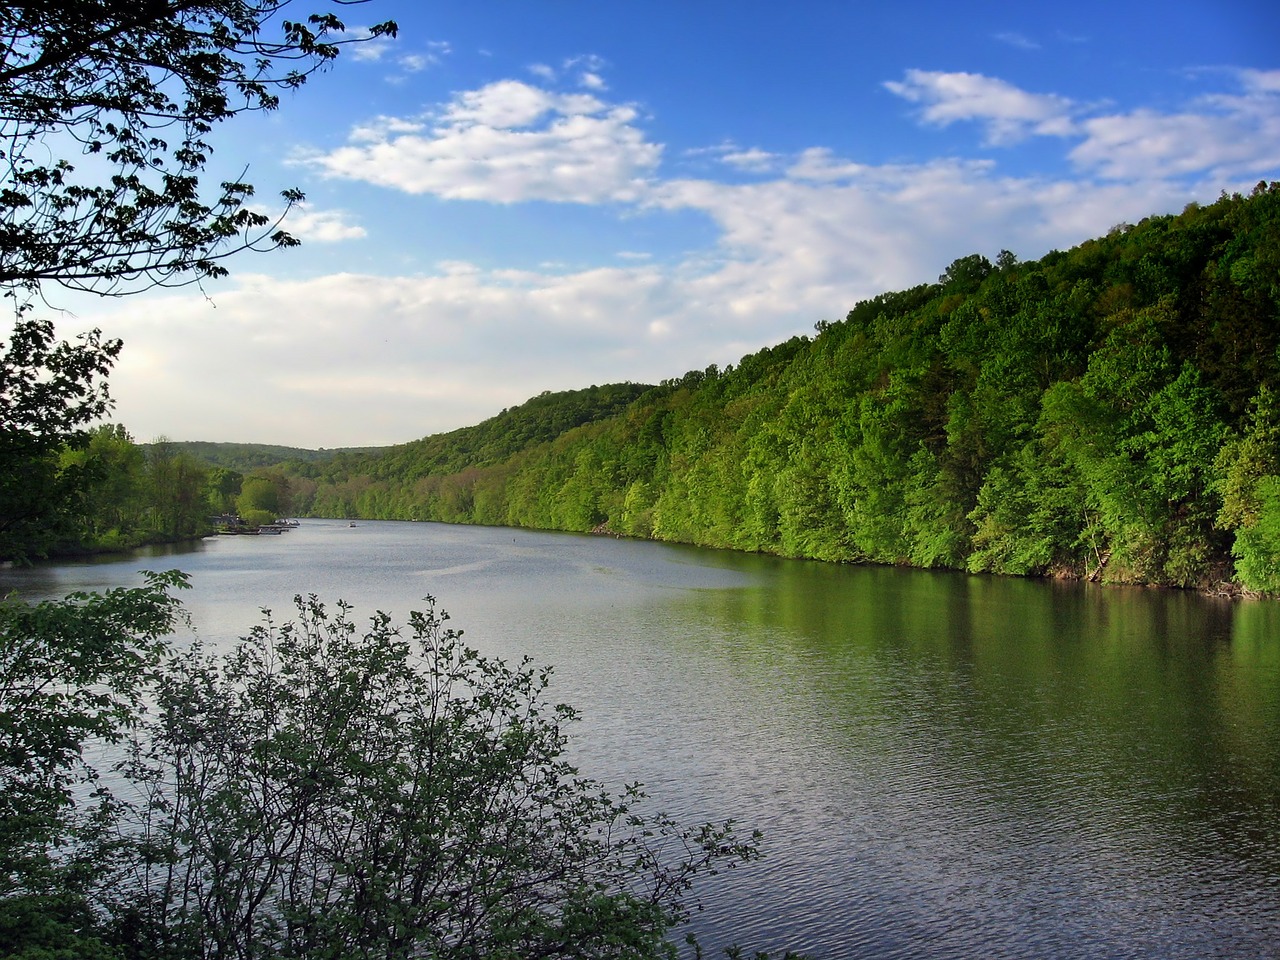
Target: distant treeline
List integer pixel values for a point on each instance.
(103, 492)
(246, 457)
(1111, 412)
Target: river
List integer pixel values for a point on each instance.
(944, 766)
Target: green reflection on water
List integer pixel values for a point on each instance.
(1152, 714)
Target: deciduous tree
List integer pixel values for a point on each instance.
(50, 391)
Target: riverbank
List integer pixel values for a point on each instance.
(120, 546)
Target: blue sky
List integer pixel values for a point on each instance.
(517, 197)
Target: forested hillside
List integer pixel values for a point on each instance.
(244, 457)
(1109, 412)
(357, 484)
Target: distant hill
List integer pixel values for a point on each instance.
(536, 421)
(533, 422)
(246, 457)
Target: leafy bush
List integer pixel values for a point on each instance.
(72, 674)
(328, 791)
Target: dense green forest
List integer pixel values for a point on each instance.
(1108, 412)
(125, 493)
(1111, 413)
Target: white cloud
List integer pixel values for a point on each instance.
(753, 160)
(1220, 135)
(380, 128)
(749, 159)
(505, 142)
(369, 48)
(372, 49)
(1010, 114)
(588, 70)
(1018, 40)
(1260, 81)
(507, 103)
(322, 226)
(415, 62)
(1144, 143)
(818, 163)
(586, 61)
(318, 361)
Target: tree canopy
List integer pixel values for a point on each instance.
(135, 89)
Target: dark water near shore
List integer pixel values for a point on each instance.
(943, 766)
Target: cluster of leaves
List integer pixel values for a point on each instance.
(72, 673)
(319, 791)
(137, 89)
(1107, 412)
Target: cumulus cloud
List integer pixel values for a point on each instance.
(1217, 136)
(589, 69)
(382, 128)
(1134, 145)
(350, 359)
(1009, 113)
(414, 62)
(1220, 135)
(586, 71)
(746, 159)
(506, 142)
(372, 49)
(753, 160)
(1260, 81)
(322, 226)
(811, 246)
(819, 163)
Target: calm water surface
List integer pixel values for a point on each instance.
(943, 766)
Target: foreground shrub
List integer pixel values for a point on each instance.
(327, 791)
